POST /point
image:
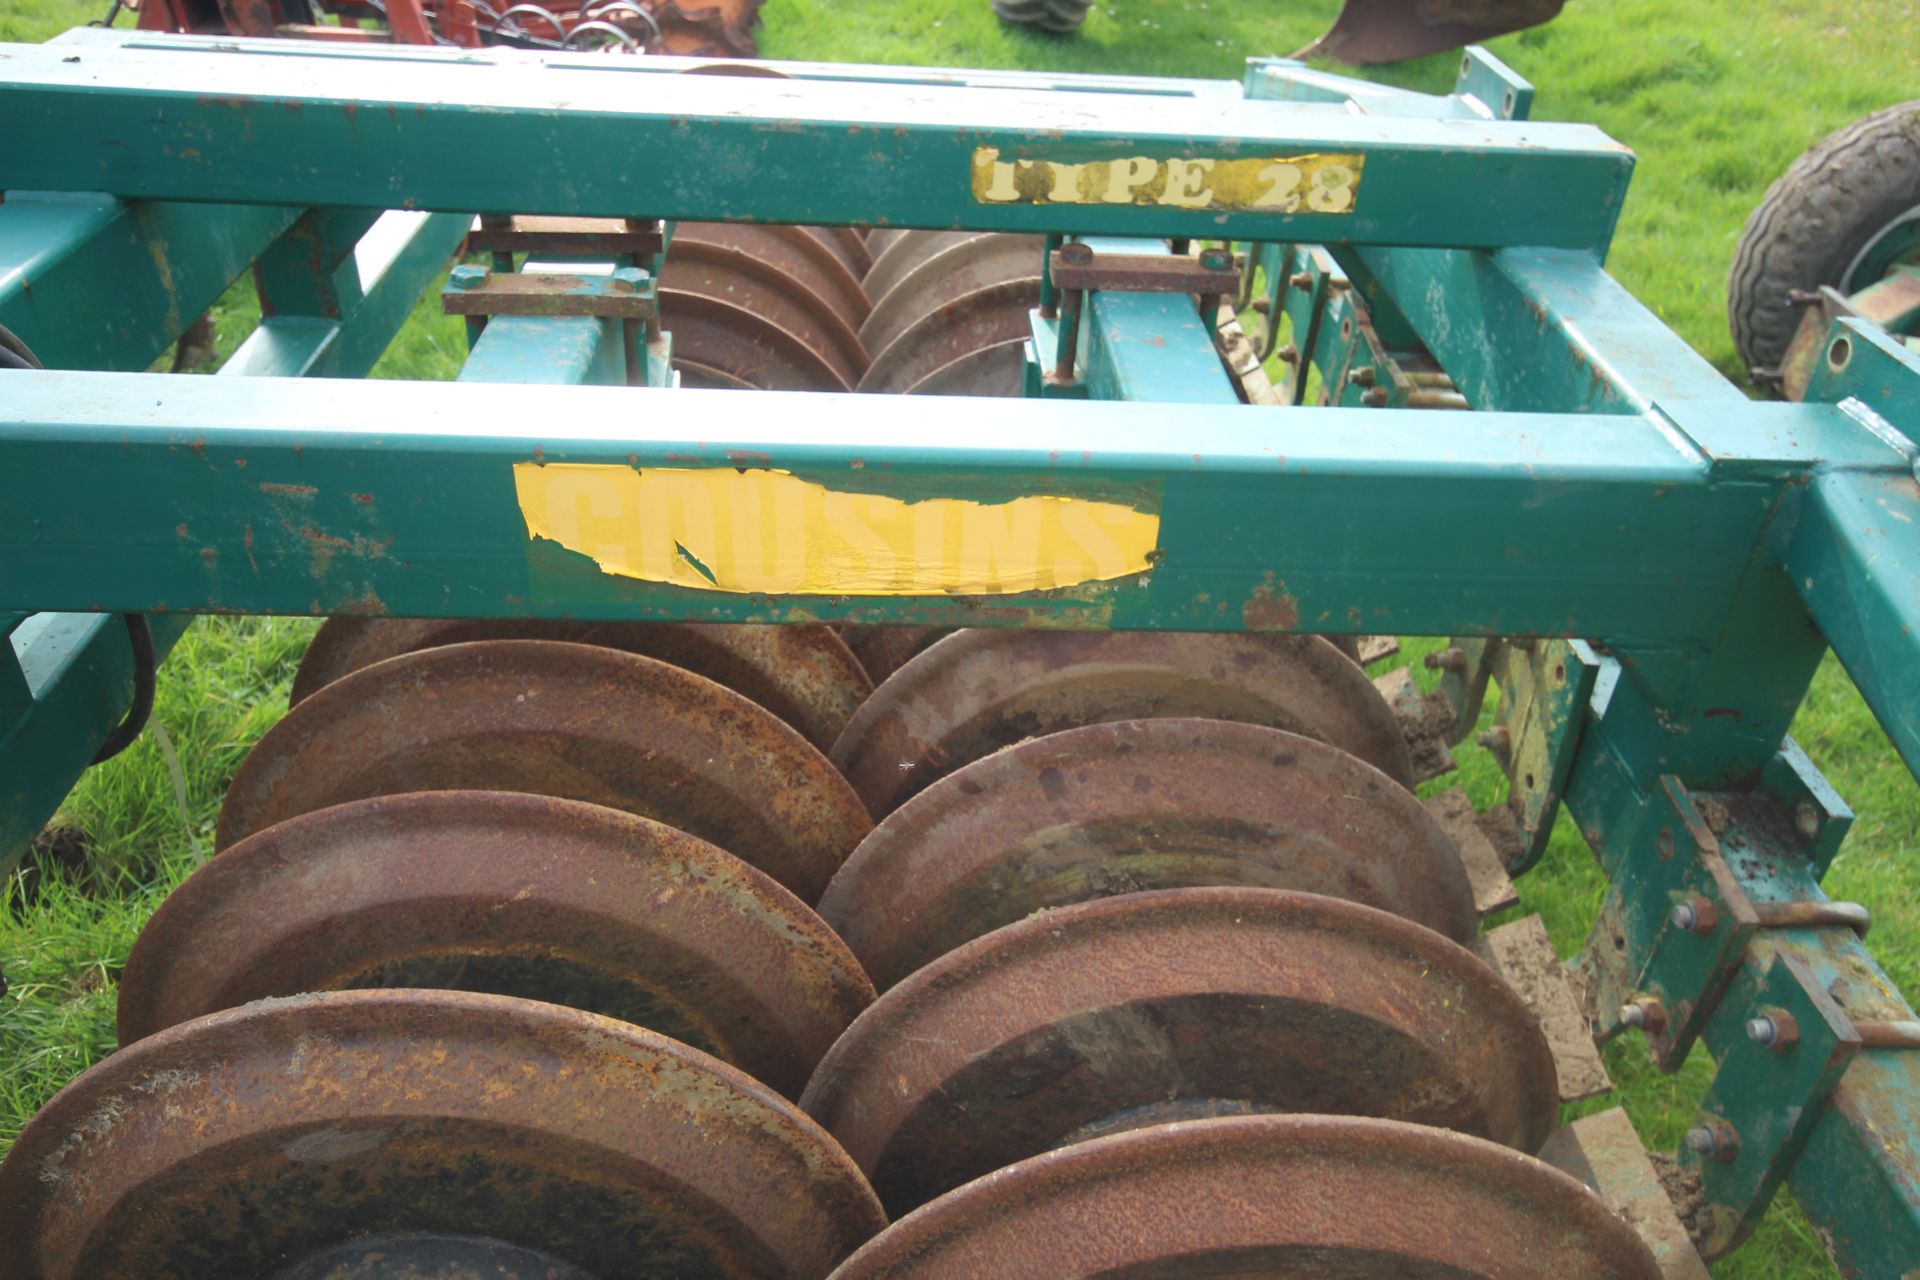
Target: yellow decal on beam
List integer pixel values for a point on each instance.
(1315, 183)
(764, 530)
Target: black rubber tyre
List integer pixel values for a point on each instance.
(1057, 16)
(1855, 186)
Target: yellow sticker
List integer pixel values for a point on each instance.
(1315, 183)
(765, 530)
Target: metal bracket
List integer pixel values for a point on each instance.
(559, 237)
(1690, 917)
(626, 293)
(1545, 689)
(1076, 269)
(1892, 303)
(1771, 1089)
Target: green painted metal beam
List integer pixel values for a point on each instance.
(147, 270)
(213, 122)
(1537, 331)
(1855, 556)
(90, 282)
(399, 496)
(572, 350)
(68, 679)
(366, 289)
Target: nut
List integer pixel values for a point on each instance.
(1695, 915)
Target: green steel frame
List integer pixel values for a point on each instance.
(1648, 563)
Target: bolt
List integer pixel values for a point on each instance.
(1695, 915)
(1076, 253)
(1715, 1141)
(1364, 375)
(1263, 305)
(1777, 1030)
(1649, 1016)
(1452, 658)
(1497, 740)
(468, 276)
(1216, 259)
(627, 279)
(1288, 354)
(1806, 818)
(1374, 397)
(1301, 280)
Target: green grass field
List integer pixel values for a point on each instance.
(1715, 97)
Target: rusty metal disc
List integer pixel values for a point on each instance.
(699, 375)
(805, 674)
(999, 370)
(882, 650)
(1178, 1003)
(984, 318)
(1295, 1197)
(1139, 804)
(962, 267)
(793, 253)
(744, 345)
(510, 894)
(264, 1141)
(982, 689)
(740, 70)
(901, 252)
(730, 275)
(848, 245)
(880, 238)
(569, 720)
(708, 28)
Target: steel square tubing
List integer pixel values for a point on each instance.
(280, 124)
(90, 282)
(139, 492)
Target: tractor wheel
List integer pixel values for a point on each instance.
(1058, 16)
(1843, 214)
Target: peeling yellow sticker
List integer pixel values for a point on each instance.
(765, 530)
(1316, 183)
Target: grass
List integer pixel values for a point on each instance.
(1716, 98)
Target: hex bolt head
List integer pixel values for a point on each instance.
(1648, 1015)
(629, 278)
(1374, 397)
(1497, 740)
(468, 275)
(1216, 259)
(1452, 658)
(1776, 1029)
(1262, 306)
(1288, 354)
(1806, 819)
(1364, 375)
(1076, 253)
(1714, 1141)
(1301, 280)
(1695, 915)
